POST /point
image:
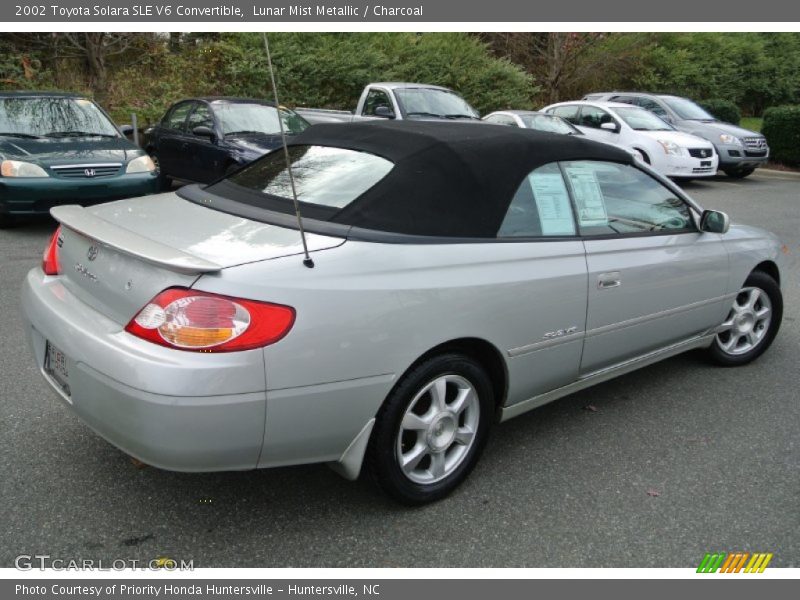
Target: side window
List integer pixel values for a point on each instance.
(176, 119)
(570, 113)
(374, 99)
(200, 117)
(624, 99)
(612, 198)
(652, 106)
(540, 207)
(594, 117)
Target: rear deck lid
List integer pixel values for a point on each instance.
(117, 256)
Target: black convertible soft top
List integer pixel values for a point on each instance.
(449, 179)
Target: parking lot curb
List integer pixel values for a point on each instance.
(779, 174)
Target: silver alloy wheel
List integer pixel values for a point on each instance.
(747, 323)
(438, 429)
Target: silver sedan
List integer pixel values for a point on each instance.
(457, 275)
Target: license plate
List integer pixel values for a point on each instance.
(55, 365)
(705, 163)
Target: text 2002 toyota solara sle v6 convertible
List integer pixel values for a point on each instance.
(463, 274)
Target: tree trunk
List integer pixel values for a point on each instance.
(175, 42)
(96, 63)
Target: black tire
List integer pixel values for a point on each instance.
(164, 182)
(387, 439)
(645, 158)
(765, 284)
(739, 173)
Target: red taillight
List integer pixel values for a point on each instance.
(202, 322)
(50, 264)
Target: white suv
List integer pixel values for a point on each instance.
(669, 151)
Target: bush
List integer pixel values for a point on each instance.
(782, 130)
(321, 70)
(724, 110)
(329, 70)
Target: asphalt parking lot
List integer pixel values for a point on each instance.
(652, 469)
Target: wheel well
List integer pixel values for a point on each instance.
(771, 269)
(644, 154)
(483, 352)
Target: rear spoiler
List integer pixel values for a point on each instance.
(84, 222)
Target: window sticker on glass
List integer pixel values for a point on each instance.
(588, 196)
(552, 203)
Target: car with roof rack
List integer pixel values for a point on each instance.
(58, 148)
(740, 150)
(656, 142)
(441, 277)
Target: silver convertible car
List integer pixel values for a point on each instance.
(462, 275)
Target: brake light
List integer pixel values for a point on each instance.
(202, 322)
(50, 262)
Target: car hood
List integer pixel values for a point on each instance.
(719, 127)
(685, 140)
(54, 151)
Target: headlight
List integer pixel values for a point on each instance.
(730, 139)
(142, 164)
(16, 168)
(670, 147)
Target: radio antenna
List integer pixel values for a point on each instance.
(307, 261)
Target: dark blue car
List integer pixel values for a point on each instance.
(203, 139)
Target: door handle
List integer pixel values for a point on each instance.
(609, 280)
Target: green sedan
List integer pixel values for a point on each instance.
(58, 148)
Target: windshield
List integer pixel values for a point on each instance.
(549, 123)
(323, 175)
(430, 102)
(641, 119)
(686, 109)
(53, 117)
(257, 118)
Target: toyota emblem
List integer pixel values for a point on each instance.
(93, 252)
(89, 172)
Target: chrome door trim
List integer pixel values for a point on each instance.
(528, 348)
(658, 315)
(514, 410)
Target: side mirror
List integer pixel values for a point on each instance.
(203, 131)
(714, 221)
(384, 112)
(126, 129)
(612, 127)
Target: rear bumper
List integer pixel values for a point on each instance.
(187, 411)
(175, 410)
(32, 196)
